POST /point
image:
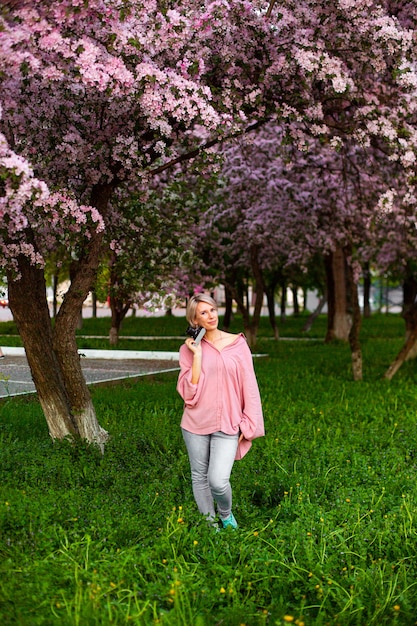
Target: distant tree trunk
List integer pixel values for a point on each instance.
(366, 291)
(314, 315)
(228, 312)
(296, 304)
(73, 269)
(119, 310)
(339, 320)
(305, 295)
(283, 299)
(55, 282)
(270, 297)
(94, 304)
(409, 313)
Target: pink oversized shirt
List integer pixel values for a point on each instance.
(226, 397)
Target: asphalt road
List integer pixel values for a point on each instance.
(98, 367)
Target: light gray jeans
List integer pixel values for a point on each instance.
(211, 461)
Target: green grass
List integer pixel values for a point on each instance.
(326, 502)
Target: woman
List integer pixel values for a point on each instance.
(222, 412)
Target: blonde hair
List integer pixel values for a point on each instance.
(192, 306)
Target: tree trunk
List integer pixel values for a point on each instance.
(28, 303)
(64, 338)
(119, 310)
(339, 320)
(366, 291)
(314, 315)
(354, 333)
(409, 349)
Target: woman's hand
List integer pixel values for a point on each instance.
(191, 345)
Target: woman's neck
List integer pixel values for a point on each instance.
(214, 335)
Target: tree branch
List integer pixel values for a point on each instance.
(271, 6)
(205, 146)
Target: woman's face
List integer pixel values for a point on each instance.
(206, 316)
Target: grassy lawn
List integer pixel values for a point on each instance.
(326, 502)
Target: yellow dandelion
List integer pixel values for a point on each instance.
(195, 542)
(347, 500)
(222, 590)
(288, 618)
(396, 607)
(256, 533)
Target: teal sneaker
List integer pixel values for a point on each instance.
(230, 522)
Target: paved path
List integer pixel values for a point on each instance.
(98, 366)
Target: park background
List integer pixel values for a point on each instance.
(150, 150)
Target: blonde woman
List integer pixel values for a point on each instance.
(222, 407)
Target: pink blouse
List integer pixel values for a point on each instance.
(226, 397)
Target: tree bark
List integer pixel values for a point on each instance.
(339, 319)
